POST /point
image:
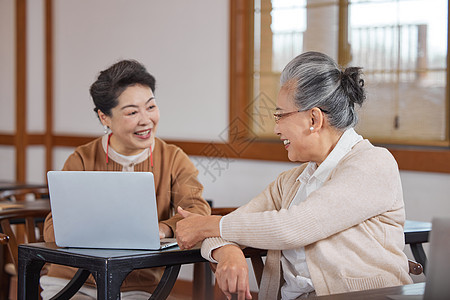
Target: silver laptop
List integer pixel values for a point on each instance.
(437, 284)
(113, 210)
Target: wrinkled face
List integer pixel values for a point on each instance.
(133, 121)
(293, 129)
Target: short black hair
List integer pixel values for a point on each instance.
(111, 83)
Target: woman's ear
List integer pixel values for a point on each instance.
(317, 118)
(103, 118)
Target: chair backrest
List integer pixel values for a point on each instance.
(24, 194)
(222, 211)
(31, 218)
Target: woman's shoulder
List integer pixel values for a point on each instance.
(364, 153)
(90, 145)
(83, 154)
(170, 154)
(365, 147)
(166, 148)
(171, 159)
(89, 148)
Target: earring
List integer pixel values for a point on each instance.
(311, 128)
(105, 129)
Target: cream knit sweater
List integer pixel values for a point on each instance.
(351, 228)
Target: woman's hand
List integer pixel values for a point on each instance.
(232, 272)
(194, 228)
(165, 231)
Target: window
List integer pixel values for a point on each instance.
(401, 45)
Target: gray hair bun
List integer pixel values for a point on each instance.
(353, 85)
(319, 82)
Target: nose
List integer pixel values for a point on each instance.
(276, 129)
(145, 117)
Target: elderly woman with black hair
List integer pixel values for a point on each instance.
(331, 225)
(125, 103)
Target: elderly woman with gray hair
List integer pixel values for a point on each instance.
(333, 224)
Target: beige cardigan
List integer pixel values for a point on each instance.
(351, 228)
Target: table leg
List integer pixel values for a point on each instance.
(4, 281)
(166, 283)
(202, 282)
(108, 283)
(419, 254)
(28, 276)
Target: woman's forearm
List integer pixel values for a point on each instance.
(195, 228)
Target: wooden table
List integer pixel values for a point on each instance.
(13, 207)
(12, 185)
(109, 267)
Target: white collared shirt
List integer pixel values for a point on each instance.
(127, 162)
(295, 270)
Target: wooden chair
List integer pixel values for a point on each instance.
(24, 194)
(18, 225)
(415, 268)
(9, 238)
(33, 232)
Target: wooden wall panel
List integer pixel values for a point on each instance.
(21, 89)
(240, 144)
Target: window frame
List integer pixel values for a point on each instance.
(413, 158)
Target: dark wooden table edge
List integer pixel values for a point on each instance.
(172, 264)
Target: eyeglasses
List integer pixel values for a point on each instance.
(279, 116)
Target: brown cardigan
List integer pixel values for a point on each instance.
(176, 184)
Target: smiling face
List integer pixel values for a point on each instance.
(294, 129)
(133, 121)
